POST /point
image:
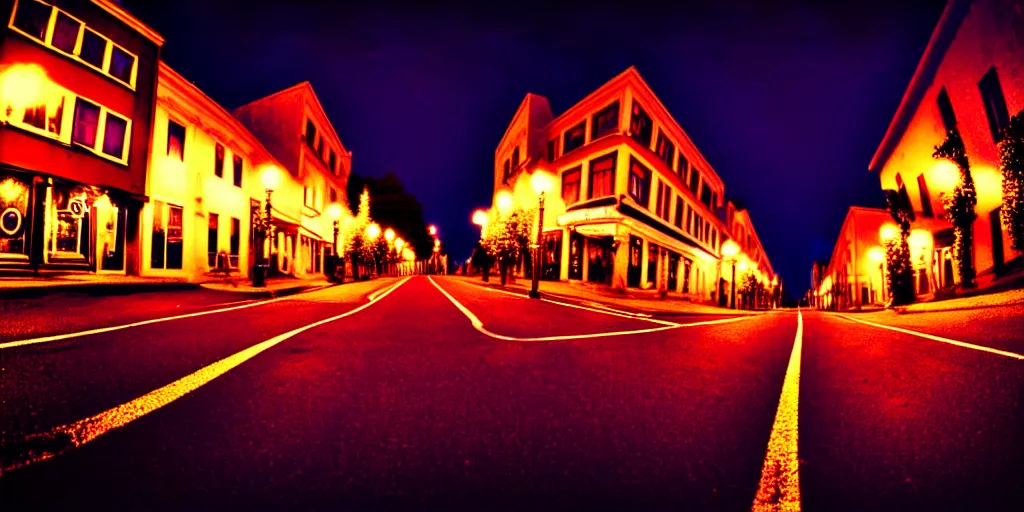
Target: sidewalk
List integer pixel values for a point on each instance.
(276, 286)
(559, 289)
(88, 284)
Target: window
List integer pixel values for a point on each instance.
(664, 200)
(571, 185)
(641, 128)
(237, 177)
(32, 18)
(114, 131)
(946, 110)
(332, 160)
(320, 148)
(552, 149)
(689, 219)
(926, 198)
(175, 140)
(605, 122)
(602, 176)
(94, 48)
(574, 138)
(714, 202)
(666, 149)
(679, 212)
(698, 227)
(310, 133)
(14, 215)
(166, 251)
(45, 118)
(683, 166)
(87, 122)
(705, 195)
(515, 160)
(218, 161)
(65, 33)
(694, 180)
(505, 173)
(211, 240)
(100, 130)
(122, 64)
(714, 239)
(235, 242)
(639, 182)
(333, 194)
(995, 103)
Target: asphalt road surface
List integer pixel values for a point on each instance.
(439, 394)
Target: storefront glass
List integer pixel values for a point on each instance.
(599, 260)
(552, 256)
(14, 220)
(110, 232)
(67, 223)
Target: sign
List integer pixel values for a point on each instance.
(597, 230)
(588, 214)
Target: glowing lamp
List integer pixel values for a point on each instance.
(334, 211)
(944, 176)
(437, 244)
(480, 218)
(372, 231)
(730, 249)
(389, 235)
(919, 238)
(743, 264)
(271, 178)
(541, 181)
(888, 232)
(503, 201)
(399, 243)
(876, 254)
(432, 229)
(22, 85)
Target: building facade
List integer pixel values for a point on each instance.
(635, 204)
(971, 77)
(77, 86)
(293, 126)
(855, 275)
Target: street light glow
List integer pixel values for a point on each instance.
(480, 218)
(271, 178)
(373, 231)
(888, 232)
(399, 243)
(730, 249)
(389, 235)
(876, 254)
(541, 181)
(432, 229)
(503, 201)
(334, 211)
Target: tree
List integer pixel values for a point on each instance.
(357, 246)
(482, 259)
(508, 237)
(960, 205)
(1011, 163)
(897, 252)
(392, 206)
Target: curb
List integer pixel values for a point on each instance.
(94, 289)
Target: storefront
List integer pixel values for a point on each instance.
(48, 223)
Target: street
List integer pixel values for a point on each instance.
(437, 393)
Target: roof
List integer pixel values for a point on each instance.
(940, 41)
(125, 17)
(307, 89)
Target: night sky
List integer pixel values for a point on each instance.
(788, 103)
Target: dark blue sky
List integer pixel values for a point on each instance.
(788, 103)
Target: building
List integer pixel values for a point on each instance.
(295, 129)
(855, 273)
(971, 76)
(635, 204)
(77, 84)
(753, 257)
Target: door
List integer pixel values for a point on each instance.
(636, 251)
(575, 256)
(673, 271)
(997, 240)
(552, 256)
(598, 260)
(653, 255)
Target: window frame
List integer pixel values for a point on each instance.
(636, 135)
(665, 149)
(578, 172)
(582, 127)
(595, 132)
(994, 101)
(237, 169)
(101, 132)
(645, 181)
(219, 159)
(613, 158)
(47, 41)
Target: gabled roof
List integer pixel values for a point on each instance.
(940, 41)
(524, 109)
(306, 89)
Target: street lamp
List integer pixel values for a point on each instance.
(271, 179)
(373, 231)
(541, 182)
(730, 249)
(389, 235)
(480, 219)
(504, 202)
(888, 232)
(432, 229)
(334, 213)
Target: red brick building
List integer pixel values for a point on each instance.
(77, 86)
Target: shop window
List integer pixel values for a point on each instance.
(111, 222)
(641, 128)
(166, 251)
(602, 176)
(212, 234)
(67, 225)
(574, 137)
(571, 186)
(605, 122)
(14, 216)
(652, 263)
(238, 168)
(218, 161)
(639, 182)
(552, 259)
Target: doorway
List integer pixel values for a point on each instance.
(634, 272)
(575, 256)
(998, 263)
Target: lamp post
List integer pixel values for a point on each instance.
(541, 183)
(730, 249)
(271, 179)
(334, 213)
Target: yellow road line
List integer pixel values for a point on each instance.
(479, 325)
(940, 339)
(779, 488)
(80, 432)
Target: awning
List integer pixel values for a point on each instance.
(597, 230)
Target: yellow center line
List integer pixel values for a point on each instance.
(80, 432)
(779, 488)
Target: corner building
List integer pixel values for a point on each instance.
(77, 92)
(635, 204)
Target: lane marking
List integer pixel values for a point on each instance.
(74, 435)
(479, 326)
(102, 330)
(940, 339)
(374, 295)
(779, 488)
